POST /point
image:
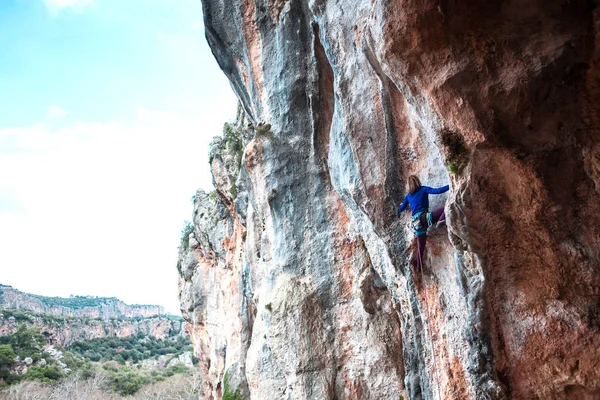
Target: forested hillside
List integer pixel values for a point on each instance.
(64, 356)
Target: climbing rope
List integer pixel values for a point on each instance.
(437, 375)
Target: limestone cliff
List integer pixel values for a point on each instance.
(67, 320)
(66, 330)
(298, 277)
(75, 306)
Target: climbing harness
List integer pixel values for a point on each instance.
(417, 226)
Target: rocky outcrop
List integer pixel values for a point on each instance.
(66, 330)
(300, 282)
(215, 284)
(79, 318)
(75, 306)
(186, 359)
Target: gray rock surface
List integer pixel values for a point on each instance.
(184, 359)
(300, 283)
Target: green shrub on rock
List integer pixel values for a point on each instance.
(263, 130)
(188, 228)
(126, 382)
(228, 394)
(27, 342)
(457, 152)
(233, 191)
(48, 373)
(7, 355)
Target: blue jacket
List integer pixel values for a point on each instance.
(419, 200)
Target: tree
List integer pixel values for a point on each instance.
(126, 382)
(119, 358)
(27, 341)
(7, 355)
(45, 374)
(92, 355)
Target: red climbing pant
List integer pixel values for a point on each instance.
(436, 216)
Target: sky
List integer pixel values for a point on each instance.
(107, 109)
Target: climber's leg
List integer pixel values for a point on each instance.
(421, 241)
(438, 217)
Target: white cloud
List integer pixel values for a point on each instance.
(56, 112)
(90, 208)
(56, 6)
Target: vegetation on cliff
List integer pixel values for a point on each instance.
(228, 393)
(229, 148)
(29, 317)
(75, 301)
(132, 348)
(187, 229)
(64, 330)
(22, 357)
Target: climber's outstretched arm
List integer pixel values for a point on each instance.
(442, 189)
(402, 206)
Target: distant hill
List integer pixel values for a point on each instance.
(75, 306)
(79, 318)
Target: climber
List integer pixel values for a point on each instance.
(418, 199)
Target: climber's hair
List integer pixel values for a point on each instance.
(412, 184)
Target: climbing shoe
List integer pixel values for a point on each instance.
(440, 224)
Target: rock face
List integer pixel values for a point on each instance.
(80, 318)
(298, 279)
(185, 359)
(75, 306)
(66, 330)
